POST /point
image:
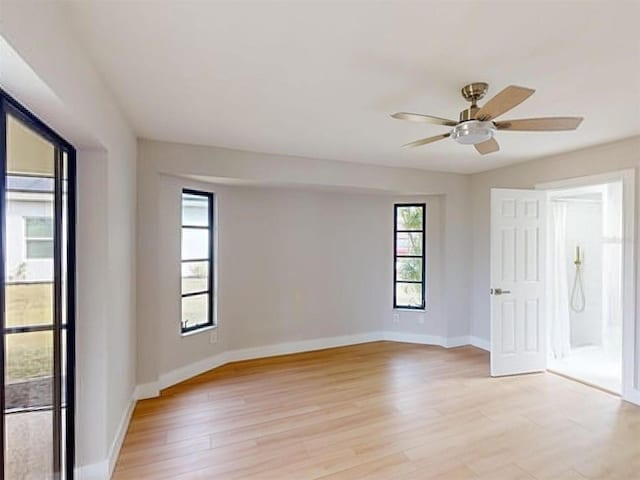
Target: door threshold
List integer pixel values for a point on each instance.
(584, 382)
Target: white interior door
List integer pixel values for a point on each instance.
(518, 239)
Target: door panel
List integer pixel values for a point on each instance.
(517, 288)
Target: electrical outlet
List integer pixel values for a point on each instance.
(421, 318)
(396, 318)
(213, 338)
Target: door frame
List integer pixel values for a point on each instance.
(9, 105)
(630, 331)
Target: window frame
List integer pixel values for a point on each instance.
(64, 372)
(396, 207)
(28, 238)
(210, 196)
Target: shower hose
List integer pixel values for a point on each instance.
(578, 301)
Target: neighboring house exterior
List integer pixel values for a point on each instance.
(29, 235)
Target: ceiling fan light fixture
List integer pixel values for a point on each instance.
(473, 132)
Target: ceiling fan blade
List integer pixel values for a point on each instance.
(549, 124)
(424, 141)
(416, 117)
(504, 101)
(489, 146)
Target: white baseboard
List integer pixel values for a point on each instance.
(452, 342)
(114, 450)
(632, 396)
(405, 337)
(95, 471)
(480, 343)
(303, 346)
(188, 371)
(104, 470)
(146, 390)
(152, 389)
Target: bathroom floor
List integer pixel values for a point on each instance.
(593, 365)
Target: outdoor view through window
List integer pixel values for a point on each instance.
(197, 260)
(35, 326)
(409, 261)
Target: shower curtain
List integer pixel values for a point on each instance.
(560, 321)
(612, 268)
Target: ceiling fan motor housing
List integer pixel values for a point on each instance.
(473, 132)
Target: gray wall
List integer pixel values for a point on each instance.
(304, 253)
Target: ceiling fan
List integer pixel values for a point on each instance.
(477, 125)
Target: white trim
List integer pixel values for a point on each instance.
(188, 371)
(94, 471)
(103, 470)
(632, 396)
(587, 180)
(480, 343)
(114, 450)
(453, 342)
(631, 334)
(152, 389)
(146, 390)
(405, 337)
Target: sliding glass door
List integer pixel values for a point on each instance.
(37, 213)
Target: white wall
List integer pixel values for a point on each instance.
(586, 326)
(59, 84)
(311, 246)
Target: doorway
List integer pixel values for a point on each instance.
(37, 306)
(563, 281)
(585, 284)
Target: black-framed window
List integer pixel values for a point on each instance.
(37, 302)
(196, 263)
(409, 228)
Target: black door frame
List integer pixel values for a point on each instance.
(8, 105)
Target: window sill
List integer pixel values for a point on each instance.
(199, 330)
(417, 310)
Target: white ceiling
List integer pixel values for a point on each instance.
(319, 79)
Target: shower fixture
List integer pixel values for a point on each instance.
(578, 300)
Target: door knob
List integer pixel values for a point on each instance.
(499, 291)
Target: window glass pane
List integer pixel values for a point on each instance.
(27, 152)
(195, 310)
(409, 269)
(39, 227)
(409, 294)
(195, 243)
(409, 244)
(29, 445)
(409, 218)
(29, 366)
(28, 304)
(29, 384)
(195, 277)
(29, 205)
(195, 210)
(39, 249)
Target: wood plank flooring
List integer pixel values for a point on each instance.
(380, 410)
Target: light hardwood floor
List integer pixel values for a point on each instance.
(380, 410)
